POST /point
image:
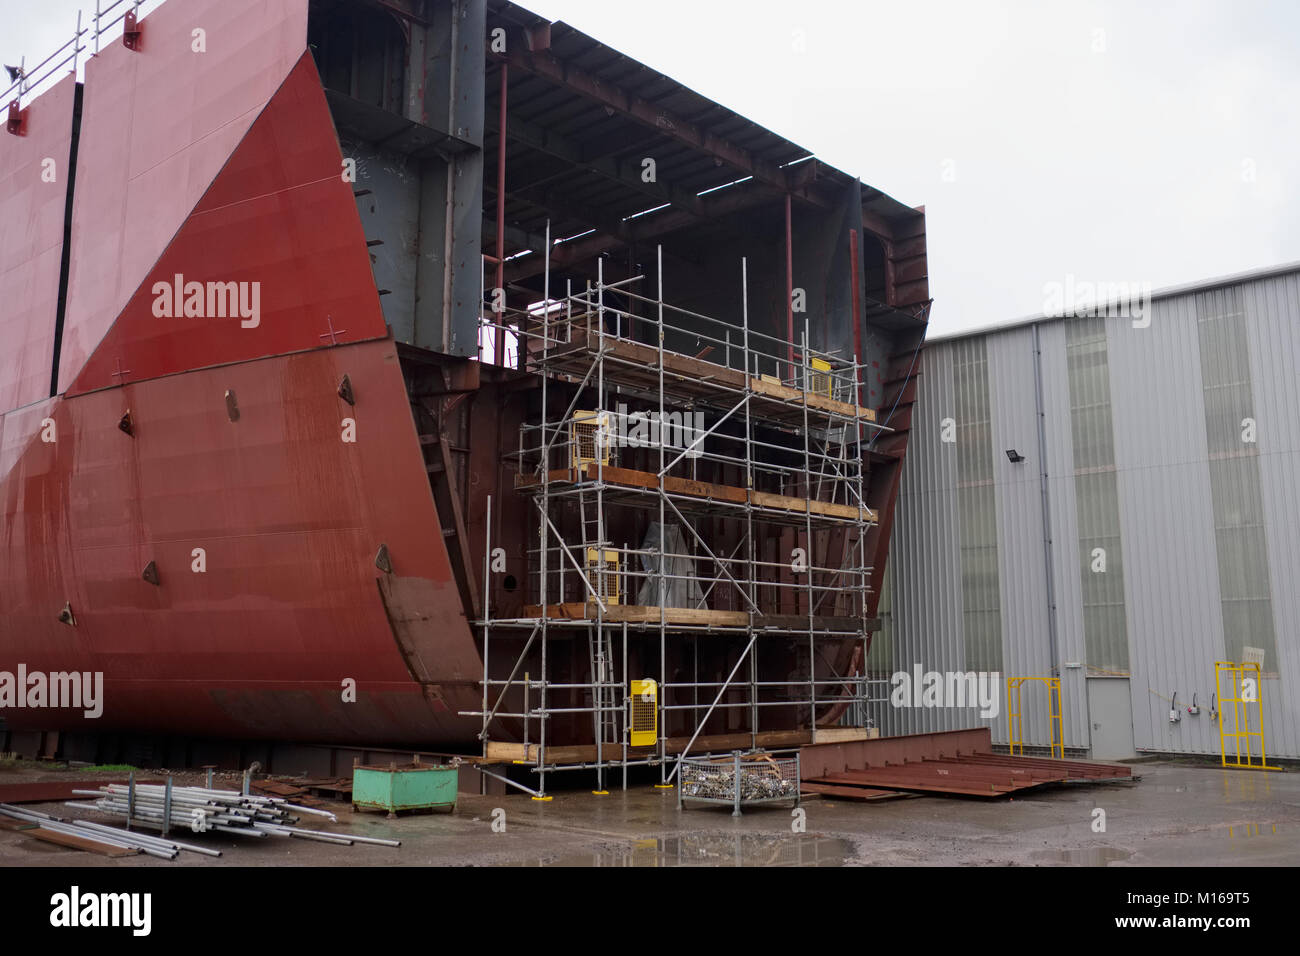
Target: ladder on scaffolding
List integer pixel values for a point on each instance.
(601, 578)
(593, 530)
(605, 689)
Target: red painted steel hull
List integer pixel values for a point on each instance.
(157, 128)
(289, 518)
(279, 215)
(222, 167)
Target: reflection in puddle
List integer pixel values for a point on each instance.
(1087, 856)
(1246, 830)
(727, 849)
(1248, 786)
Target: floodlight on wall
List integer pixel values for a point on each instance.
(1015, 456)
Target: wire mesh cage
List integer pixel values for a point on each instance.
(820, 378)
(823, 379)
(739, 780)
(589, 438)
(603, 574)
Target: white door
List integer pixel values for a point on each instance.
(1110, 718)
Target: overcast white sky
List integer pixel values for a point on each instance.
(1129, 141)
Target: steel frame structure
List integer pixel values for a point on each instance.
(1242, 735)
(830, 444)
(1015, 714)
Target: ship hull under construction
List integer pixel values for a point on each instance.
(254, 467)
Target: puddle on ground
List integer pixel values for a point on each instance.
(1087, 856)
(727, 849)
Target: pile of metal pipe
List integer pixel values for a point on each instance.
(345, 838)
(125, 839)
(179, 819)
(204, 809)
(196, 808)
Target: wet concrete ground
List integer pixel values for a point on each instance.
(1180, 815)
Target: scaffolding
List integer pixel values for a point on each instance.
(779, 434)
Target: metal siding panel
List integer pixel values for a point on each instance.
(1272, 310)
(1065, 533)
(927, 571)
(1021, 576)
(1171, 577)
(1171, 569)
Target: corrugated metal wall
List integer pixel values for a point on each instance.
(1161, 377)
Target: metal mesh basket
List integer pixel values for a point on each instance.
(603, 576)
(739, 780)
(589, 438)
(820, 379)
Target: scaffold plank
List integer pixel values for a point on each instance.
(630, 478)
(821, 402)
(508, 752)
(81, 843)
(780, 402)
(641, 614)
(702, 617)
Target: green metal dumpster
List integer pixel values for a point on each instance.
(409, 787)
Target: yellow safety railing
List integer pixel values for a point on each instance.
(1015, 719)
(1245, 682)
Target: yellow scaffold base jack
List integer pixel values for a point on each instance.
(600, 793)
(541, 799)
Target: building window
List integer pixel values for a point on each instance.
(1244, 592)
(977, 508)
(1096, 497)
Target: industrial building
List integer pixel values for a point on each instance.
(1147, 528)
